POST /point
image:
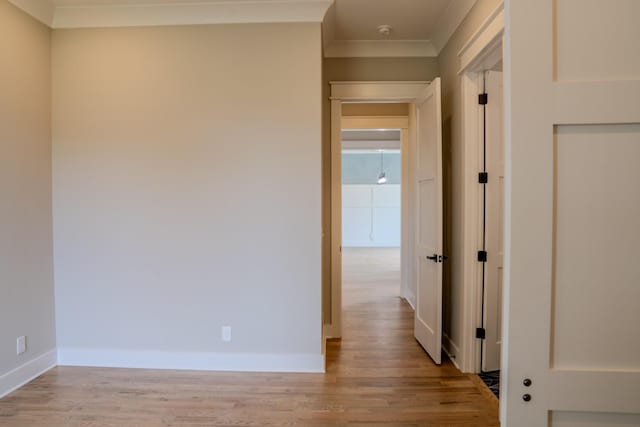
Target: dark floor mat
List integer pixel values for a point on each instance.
(492, 380)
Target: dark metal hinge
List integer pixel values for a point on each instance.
(482, 256)
(483, 98)
(481, 333)
(483, 177)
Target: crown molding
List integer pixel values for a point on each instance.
(487, 37)
(167, 13)
(379, 49)
(449, 21)
(222, 12)
(43, 11)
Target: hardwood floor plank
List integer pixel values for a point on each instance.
(377, 375)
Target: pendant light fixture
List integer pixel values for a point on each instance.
(382, 178)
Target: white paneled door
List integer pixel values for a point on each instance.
(428, 313)
(494, 221)
(572, 276)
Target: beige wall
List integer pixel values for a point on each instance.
(187, 190)
(379, 69)
(356, 69)
(26, 271)
(385, 109)
(448, 65)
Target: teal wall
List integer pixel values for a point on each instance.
(364, 168)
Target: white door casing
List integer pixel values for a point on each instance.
(572, 294)
(429, 226)
(494, 221)
(482, 51)
(371, 92)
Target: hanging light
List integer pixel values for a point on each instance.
(382, 177)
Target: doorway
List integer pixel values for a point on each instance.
(421, 201)
(492, 227)
(371, 207)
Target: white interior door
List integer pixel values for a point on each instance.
(572, 276)
(494, 221)
(428, 313)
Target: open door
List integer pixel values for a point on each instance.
(428, 313)
(494, 221)
(572, 276)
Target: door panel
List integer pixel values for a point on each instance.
(571, 272)
(596, 284)
(494, 221)
(428, 314)
(593, 419)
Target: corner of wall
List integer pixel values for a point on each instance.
(27, 372)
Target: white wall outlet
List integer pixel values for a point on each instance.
(21, 345)
(226, 333)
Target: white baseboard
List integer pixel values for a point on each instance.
(240, 362)
(410, 300)
(452, 350)
(21, 375)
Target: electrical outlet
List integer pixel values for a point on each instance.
(21, 345)
(226, 333)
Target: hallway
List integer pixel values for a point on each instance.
(392, 379)
(377, 375)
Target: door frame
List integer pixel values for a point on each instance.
(482, 51)
(367, 92)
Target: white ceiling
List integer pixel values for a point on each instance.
(419, 27)
(371, 139)
(410, 19)
(371, 135)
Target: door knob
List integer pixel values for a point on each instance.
(433, 258)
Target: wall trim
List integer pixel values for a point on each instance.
(370, 91)
(41, 10)
(484, 39)
(377, 91)
(451, 350)
(222, 12)
(380, 49)
(329, 332)
(27, 372)
(449, 22)
(482, 51)
(410, 299)
(167, 13)
(197, 361)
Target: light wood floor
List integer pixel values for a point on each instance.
(377, 375)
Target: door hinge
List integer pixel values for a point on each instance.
(483, 98)
(482, 256)
(483, 177)
(481, 333)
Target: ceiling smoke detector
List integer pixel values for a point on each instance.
(385, 30)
